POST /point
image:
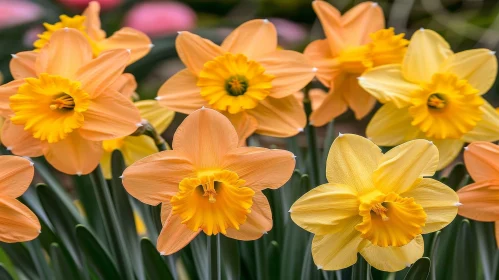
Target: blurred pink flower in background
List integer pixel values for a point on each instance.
(18, 12)
(290, 33)
(82, 4)
(160, 18)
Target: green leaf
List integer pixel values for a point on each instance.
(231, 265)
(4, 274)
(21, 258)
(96, 254)
(487, 248)
(458, 177)
(8, 265)
(309, 269)
(37, 255)
(274, 258)
(419, 270)
(361, 270)
(434, 253)
(62, 268)
(464, 265)
(155, 266)
(200, 255)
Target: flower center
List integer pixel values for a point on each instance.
(50, 106)
(233, 83)
(446, 107)
(391, 220)
(213, 201)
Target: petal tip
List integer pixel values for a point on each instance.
(66, 29)
(421, 29)
(162, 253)
(13, 56)
(158, 98)
(315, 69)
(374, 4)
(300, 129)
(340, 134)
(408, 265)
(129, 51)
(492, 53)
(430, 142)
(9, 148)
(265, 232)
(361, 78)
(319, 267)
(79, 173)
(151, 46)
(139, 124)
(290, 210)
(266, 21)
(458, 204)
(121, 177)
(466, 148)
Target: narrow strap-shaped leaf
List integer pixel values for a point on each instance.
(21, 259)
(155, 266)
(486, 245)
(35, 250)
(361, 270)
(420, 270)
(231, 265)
(464, 265)
(4, 274)
(274, 258)
(63, 268)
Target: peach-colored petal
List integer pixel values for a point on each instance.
(205, 137)
(317, 97)
(180, 93)
(194, 51)
(92, 21)
(283, 117)
(330, 19)
(258, 222)
(359, 100)
(67, 51)
(261, 168)
(360, 21)
(17, 222)
(244, 124)
(19, 141)
(125, 84)
(332, 106)
(15, 175)
(6, 91)
(320, 56)
(480, 201)
(161, 173)
(97, 75)
(291, 69)
(481, 159)
(22, 65)
(253, 38)
(174, 236)
(166, 209)
(128, 38)
(74, 154)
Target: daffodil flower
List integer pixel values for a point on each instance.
(375, 204)
(246, 78)
(207, 183)
(481, 199)
(89, 25)
(434, 94)
(17, 222)
(355, 42)
(134, 148)
(63, 103)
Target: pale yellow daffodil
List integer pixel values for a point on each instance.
(434, 94)
(375, 204)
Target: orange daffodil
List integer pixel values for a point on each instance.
(90, 26)
(63, 103)
(434, 94)
(355, 42)
(207, 183)
(481, 199)
(245, 78)
(375, 204)
(134, 148)
(17, 222)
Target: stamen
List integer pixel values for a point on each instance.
(236, 85)
(63, 102)
(380, 210)
(436, 101)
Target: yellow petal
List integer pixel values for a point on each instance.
(330, 19)
(387, 84)
(320, 56)
(174, 236)
(128, 38)
(292, 71)
(393, 258)
(351, 161)
(22, 65)
(205, 137)
(161, 173)
(332, 106)
(92, 21)
(258, 222)
(324, 209)
(360, 21)
(67, 51)
(137, 147)
(17, 222)
(400, 167)
(105, 165)
(486, 129)
(19, 141)
(253, 38)
(391, 126)
(426, 52)
(195, 51)
(159, 117)
(481, 161)
(480, 201)
(438, 201)
(338, 250)
(478, 67)
(15, 176)
(180, 93)
(261, 168)
(279, 117)
(448, 150)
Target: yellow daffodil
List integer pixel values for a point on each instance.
(434, 94)
(246, 78)
(90, 26)
(17, 222)
(134, 148)
(375, 204)
(207, 183)
(355, 42)
(63, 103)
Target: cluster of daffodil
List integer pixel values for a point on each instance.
(71, 102)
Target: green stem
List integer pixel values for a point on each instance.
(214, 259)
(311, 141)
